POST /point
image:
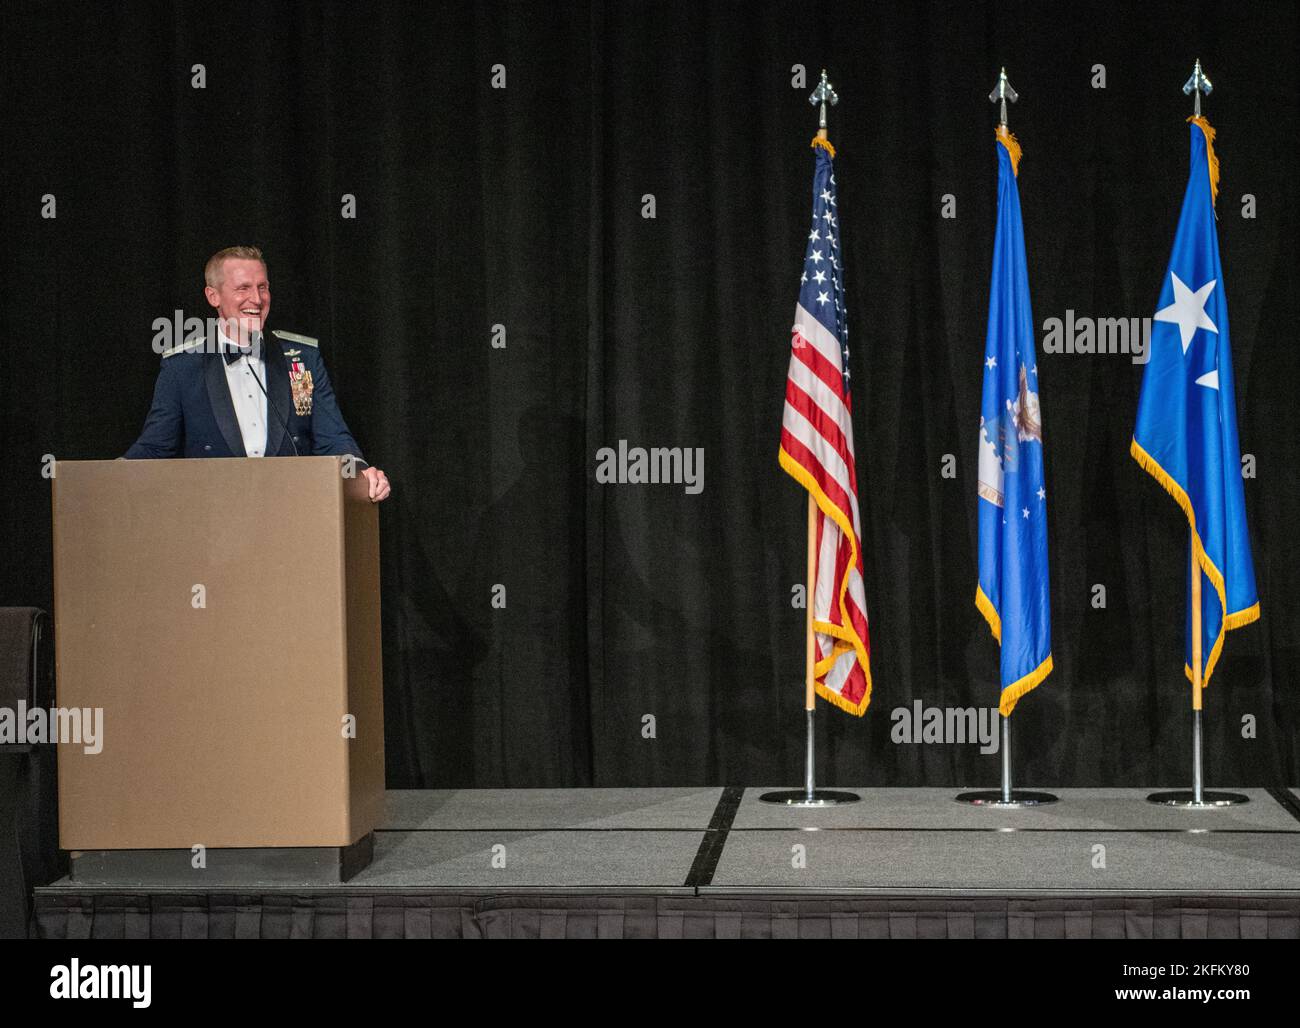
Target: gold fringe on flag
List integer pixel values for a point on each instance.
(825, 144)
(1012, 144)
(1012, 693)
(1232, 620)
(845, 637)
(1208, 129)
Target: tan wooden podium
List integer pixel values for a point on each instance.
(224, 614)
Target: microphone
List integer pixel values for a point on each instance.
(284, 424)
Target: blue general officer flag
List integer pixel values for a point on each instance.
(1186, 434)
(1013, 586)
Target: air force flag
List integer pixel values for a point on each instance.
(1186, 434)
(1013, 586)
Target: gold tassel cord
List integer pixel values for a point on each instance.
(1203, 123)
(825, 144)
(1012, 144)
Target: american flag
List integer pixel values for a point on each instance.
(817, 449)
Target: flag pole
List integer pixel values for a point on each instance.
(1005, 796)
(1198, 798)
(810, 650)
(810, 795)
(1198, 783)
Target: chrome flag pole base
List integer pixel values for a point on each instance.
(1005, 798)
(809, 795)
(1197, 797)
(995, 798)
(817, 798)
(1187, 800)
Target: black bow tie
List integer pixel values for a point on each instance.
(233, 353)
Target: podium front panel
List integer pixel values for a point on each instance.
(202, 605)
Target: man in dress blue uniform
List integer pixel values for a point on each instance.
(251, 396)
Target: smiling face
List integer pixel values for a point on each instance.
(242, 297)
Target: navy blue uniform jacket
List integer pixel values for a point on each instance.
(192, 415)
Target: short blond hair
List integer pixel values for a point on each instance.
(212, 273)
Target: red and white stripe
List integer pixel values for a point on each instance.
(817, 437)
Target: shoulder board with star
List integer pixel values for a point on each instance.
(189, 345)
(294, 337)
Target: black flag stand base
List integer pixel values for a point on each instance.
(1197, 798)
(1006, 797)
(809, 796)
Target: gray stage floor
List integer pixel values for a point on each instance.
(896, 841)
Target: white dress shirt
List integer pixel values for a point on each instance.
(248, 399)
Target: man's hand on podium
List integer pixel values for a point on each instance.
(378, 483)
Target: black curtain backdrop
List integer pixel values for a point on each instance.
(522, 207)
